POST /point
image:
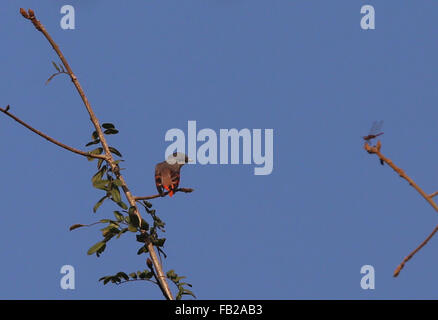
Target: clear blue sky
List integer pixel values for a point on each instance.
(303, 68)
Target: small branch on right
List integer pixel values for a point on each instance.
(376, 150)
(185, 190)
(433, 194)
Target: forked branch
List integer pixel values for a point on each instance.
(30, 15)
(376, 150)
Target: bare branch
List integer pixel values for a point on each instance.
(185, 190)
(45, 136)
(433, 194)
(428, 198)
(408, 257)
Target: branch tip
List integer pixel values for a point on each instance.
(24, 13)
(31, 13)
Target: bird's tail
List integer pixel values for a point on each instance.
(169, 189)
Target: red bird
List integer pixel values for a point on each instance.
(167, 173)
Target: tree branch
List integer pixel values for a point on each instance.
(151, 267)
(45, 136)
(30, 15)
(428, 198)
(185, 190)
(131, 280)
(433, 194)
(408, 257)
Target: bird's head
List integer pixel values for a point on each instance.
(178, 157)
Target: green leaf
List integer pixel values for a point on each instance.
(122, 275)
(115, 194)
(110, 231)
(122, 205)
(133, 275)
(96, 180)
(118, 183)
(99, 163)
(115, 151)
(111, 131)
(102, 185)
(122, 232)
(132, 228)
(131, 210)
(145, 274)
(171, 274)
(118, 216)
(94, 135)
(101, 249)
(147, 204)
(95, 152)
(75, 226)
(140, 237)
(187, 291)
(143, 249)
(108, 126)
(133, 217)
(144, 225)
(56, 67)
(92, 142)
(159, 242)
(96, 247)
(99, 203)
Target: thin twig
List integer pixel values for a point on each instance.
(408, 257)
(428, 198)
(131, 280)
(433, 194)
(45, 136)
(185, 190)
(30, 15)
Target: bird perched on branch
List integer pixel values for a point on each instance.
(167, 173)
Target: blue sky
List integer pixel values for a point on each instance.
(302, 68)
